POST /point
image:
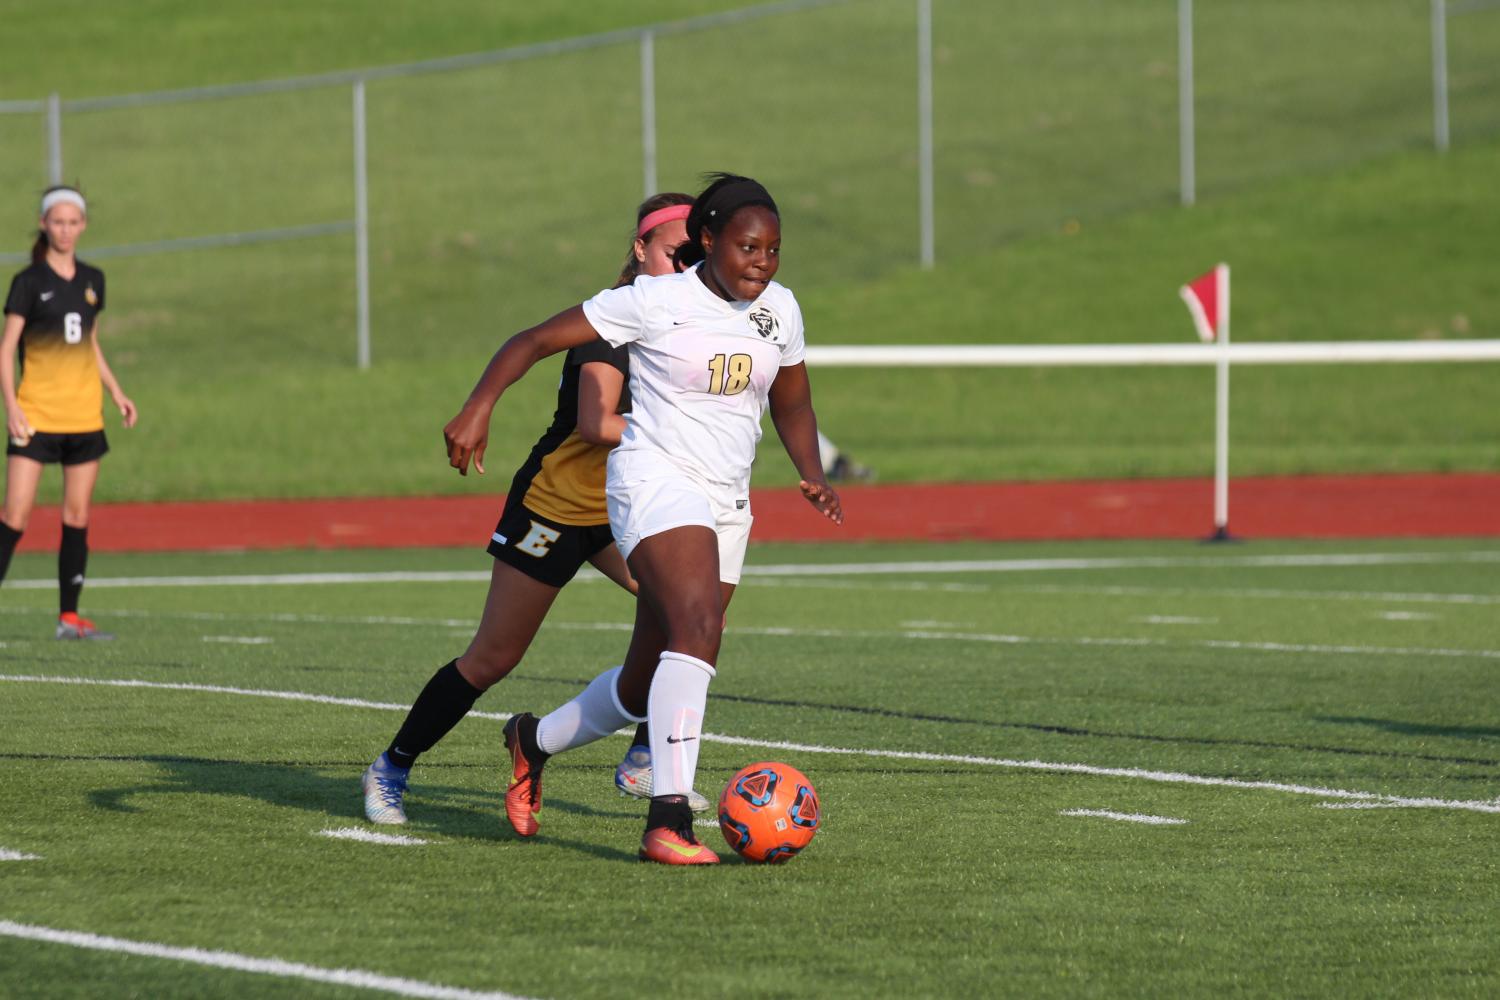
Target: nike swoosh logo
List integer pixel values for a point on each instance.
(683, 740)
(686, 852)
(47, 296)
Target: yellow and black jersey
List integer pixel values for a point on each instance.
(563, 477)
(60, 392)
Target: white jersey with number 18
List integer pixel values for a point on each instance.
(700, 368)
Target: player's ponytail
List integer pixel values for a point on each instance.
(39, 248)
(712, 210)
(631, 269)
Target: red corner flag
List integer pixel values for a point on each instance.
(1207, 298)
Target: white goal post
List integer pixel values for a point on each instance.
(1221, 354)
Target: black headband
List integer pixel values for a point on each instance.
(732, 197)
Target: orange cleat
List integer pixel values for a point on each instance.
(70, 626)
(523, 799)
(668, 847)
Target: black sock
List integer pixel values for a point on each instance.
(72, 558)
(672, 812)
(9, 537)
(446, 699)
(642, 736)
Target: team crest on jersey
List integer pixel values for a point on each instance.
(765, 323)
(89, 296)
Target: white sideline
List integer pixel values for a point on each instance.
(6, 854)
(1167, 777)
(357, 978)
(370, 836)
(1125, 817)
(810, 569)
(1379, 596)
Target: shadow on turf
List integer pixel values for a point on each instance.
(444, 809)
(1416, 728)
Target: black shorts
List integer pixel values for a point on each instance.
(543, 549)
(69, 449)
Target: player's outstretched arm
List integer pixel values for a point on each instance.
(797, 426)
(467, 434)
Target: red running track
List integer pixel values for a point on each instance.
(1267, 507)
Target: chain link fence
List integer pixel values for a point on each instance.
(895, 132)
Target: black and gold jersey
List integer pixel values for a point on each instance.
(563, 477)
(60, 392)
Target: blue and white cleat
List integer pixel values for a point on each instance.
(633, 777)
(384, 786)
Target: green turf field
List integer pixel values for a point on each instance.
(1319, 717)
(499, 195)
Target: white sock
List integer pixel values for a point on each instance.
(679, 693)
(593, 715)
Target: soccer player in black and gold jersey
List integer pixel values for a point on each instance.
(56, 415)
(554, 521)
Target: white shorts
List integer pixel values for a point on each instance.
(648, 494)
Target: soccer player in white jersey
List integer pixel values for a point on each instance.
(710, 349)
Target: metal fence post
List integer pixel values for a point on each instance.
(1187, 148)
(361, 231)
(924, 130)
(1440, 75)
(648, 111)
(54, 139)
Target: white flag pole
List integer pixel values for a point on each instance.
(1221, 409)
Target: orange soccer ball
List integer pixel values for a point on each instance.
(768, 812)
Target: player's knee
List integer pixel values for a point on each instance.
(486, 663)
(697, 631)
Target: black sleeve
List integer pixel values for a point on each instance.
(100, 307)
(21, 296)
(599, 349)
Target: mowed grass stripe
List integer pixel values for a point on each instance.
(1165, 777)
(810, 569)
(775, 631)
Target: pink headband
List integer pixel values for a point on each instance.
(661, 215)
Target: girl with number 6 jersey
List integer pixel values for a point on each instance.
(56, 415)
(710, 348)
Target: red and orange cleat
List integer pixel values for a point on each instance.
(669, 836)
(523, 799)
(668, 847)
(70, 626)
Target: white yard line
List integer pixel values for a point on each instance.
(242, 640)
(1175, 620)
(357, 978)
(814, 569)
(320, 699)
(1139, 774)
(1126, 817)
(6, 854)
(371, 837)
